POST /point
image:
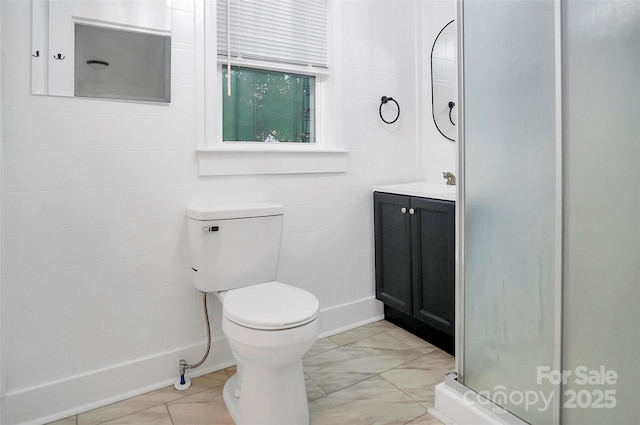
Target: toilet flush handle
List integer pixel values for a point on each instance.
(210, 229)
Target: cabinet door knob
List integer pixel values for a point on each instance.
(411, 211)
(403, 210)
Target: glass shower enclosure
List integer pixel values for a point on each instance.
(549, 200)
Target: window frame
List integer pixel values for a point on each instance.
(312, 123)
(318, 98)
(216, 157)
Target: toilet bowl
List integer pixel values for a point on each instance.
(269, 325)
(269, 328)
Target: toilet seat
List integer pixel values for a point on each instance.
(270, 306)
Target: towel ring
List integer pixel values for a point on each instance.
(384, 100)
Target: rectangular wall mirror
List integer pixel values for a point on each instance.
(105, 49)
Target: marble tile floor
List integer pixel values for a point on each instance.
(375, 374)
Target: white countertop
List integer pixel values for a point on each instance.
(420, 189)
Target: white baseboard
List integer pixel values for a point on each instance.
(76, 394)
(59, 399)
(351, 315)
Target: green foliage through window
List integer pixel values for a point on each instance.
(267, 106)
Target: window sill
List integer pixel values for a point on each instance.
(270, 160)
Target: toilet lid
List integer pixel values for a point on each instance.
(271, 305)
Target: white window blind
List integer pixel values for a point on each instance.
(282, 33)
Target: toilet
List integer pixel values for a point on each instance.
(269, 325)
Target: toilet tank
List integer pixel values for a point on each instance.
(233, 246)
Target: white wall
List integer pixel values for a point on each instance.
(438, 153)
(97, 299)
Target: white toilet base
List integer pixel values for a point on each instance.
(268, 397)
(230, 400)
(269, 387)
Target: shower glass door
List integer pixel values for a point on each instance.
(601, 84)
(510, 217)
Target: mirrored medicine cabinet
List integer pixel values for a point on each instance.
(117, 49)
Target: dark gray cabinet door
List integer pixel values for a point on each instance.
(433, 244)
(393, 250)
(415, 257)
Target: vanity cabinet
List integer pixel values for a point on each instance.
(415, 264)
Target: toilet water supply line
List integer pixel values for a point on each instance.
(183, 383)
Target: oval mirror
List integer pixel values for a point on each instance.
(444, 81)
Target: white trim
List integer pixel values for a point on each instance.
(329, 104)
(93, 22)
(349, 316)
(273, 66)
(269, 147)
(69, 396)
(202, 91)
(61, 398)
(229, 162)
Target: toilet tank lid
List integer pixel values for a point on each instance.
(230, 211)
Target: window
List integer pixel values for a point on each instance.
(278, 48)
(267, 106)
(278, 116)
